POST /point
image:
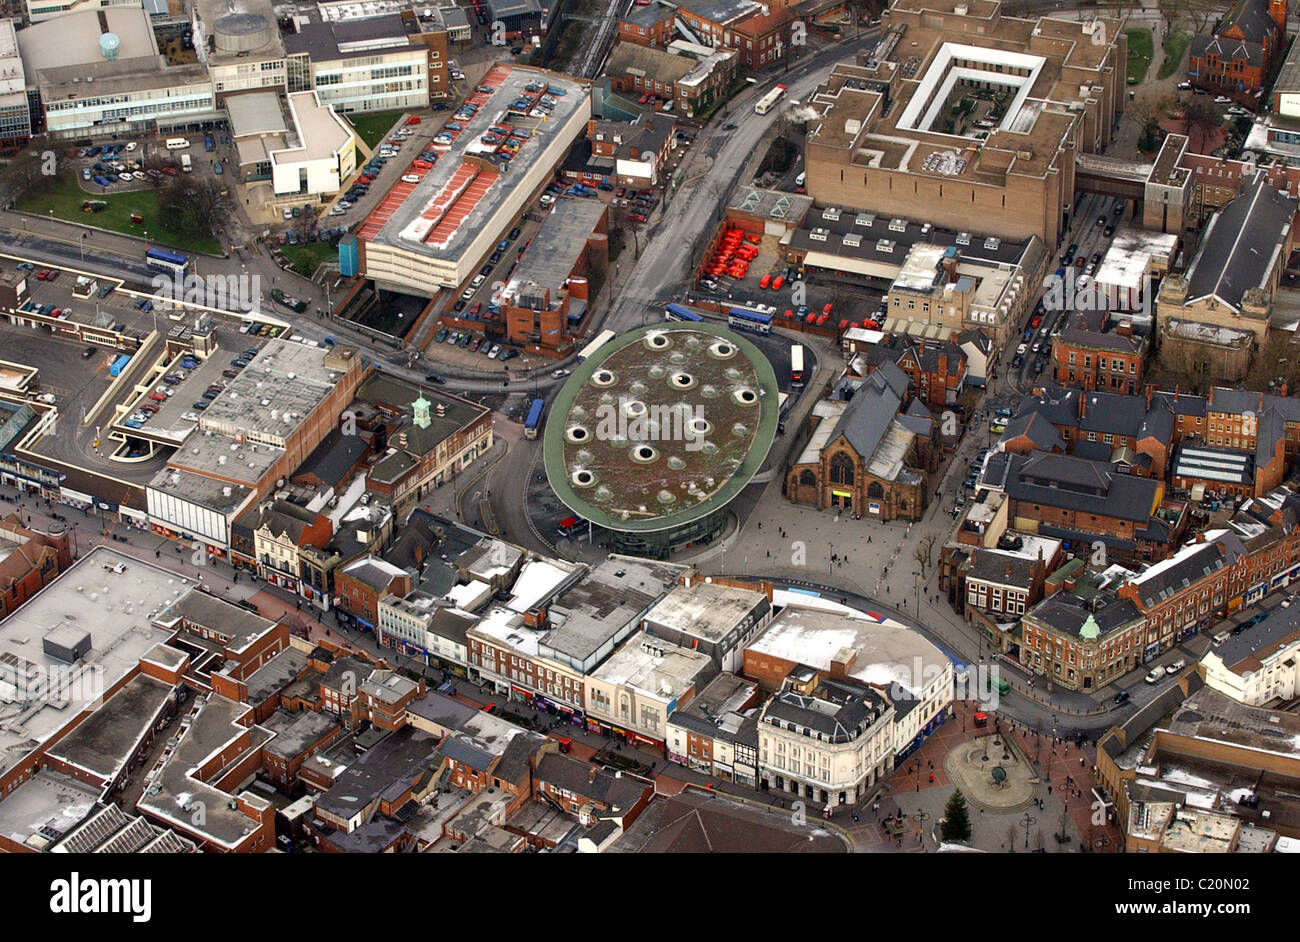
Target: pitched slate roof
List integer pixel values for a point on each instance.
(1077, 484)
(654, 64)
(1247, 651)
(1188, 566)
(1103, 412)
(574, 775)
(1069, 614)
(1091, 329)
(868, 417)
(1042, 433)
(1228, 49)
(1240, 245)
(1252, 18)
(334, 457)
(840, 712)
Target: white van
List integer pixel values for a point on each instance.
(177, 143)
(186, 164)
(799, 180)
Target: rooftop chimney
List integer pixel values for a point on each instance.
(591, 776)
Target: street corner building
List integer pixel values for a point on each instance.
(867, 449)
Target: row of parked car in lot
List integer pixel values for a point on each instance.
(386, 152)
(472, 343)
(167, 388)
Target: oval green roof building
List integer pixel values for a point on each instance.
(655, 434)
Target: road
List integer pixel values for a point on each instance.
(692, 210)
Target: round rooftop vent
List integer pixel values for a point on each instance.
(241, 32)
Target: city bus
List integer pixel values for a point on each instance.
(675, 312)
(739, 318)
(534, 421)
(172, 263)
(796, 365)
(602, 338)
(768, 101)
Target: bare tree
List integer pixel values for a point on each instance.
(31, 172)
(621, 222)
(1200, 13)
(192, 207)
(923, 552)
(1011, 838)
(1201, 120)
(1039, 842)
(304, 224)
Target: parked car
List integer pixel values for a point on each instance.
(1120, 698)
(1176, 666)
(1154, 675)
(437, 378)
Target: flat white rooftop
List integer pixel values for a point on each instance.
(886, 651)
(39, 695)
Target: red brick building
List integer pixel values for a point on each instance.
(764, 39)
(363, 582)
(1091, 354)
(1240, 57)
(33, 560)
(650, 26)
(574, 785)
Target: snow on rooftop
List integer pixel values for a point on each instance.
(538, 579)
(347, 500)
(1178, 557)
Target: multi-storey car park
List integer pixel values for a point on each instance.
(431, 236)
(652, 437)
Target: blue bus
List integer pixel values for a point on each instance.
(178, 266)
(740, 318)
(675, 312)
(118, 365)
(534, 418)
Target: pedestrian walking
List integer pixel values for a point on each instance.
(1080, 761)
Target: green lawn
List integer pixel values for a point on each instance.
(371, 128)
(306, 258)
(1175, 45)
(1140, 50)
(66, 198)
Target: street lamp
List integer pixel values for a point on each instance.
(1027, 820)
